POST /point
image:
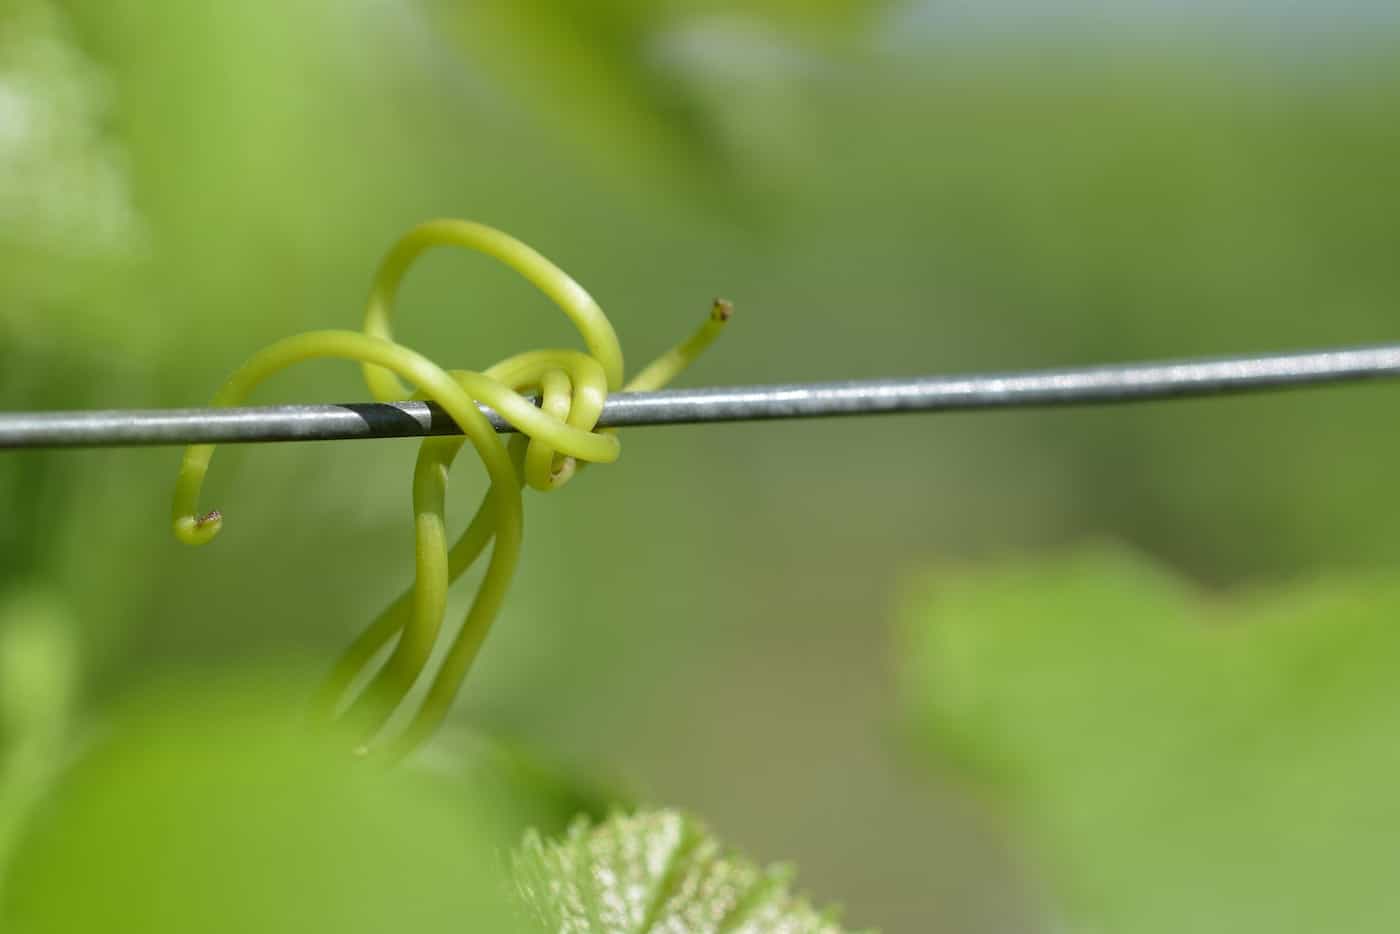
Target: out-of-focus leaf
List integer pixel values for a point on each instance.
(603, 70)
(656, 871)
(1182, 763)
(541, 794)
(836, 20)
(38, 678)
(585, 66)
(65, 205)
(207, 808)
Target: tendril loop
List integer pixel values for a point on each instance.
(554, 440)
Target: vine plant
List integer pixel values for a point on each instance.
(555, 439)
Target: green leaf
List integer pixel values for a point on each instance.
(1180, 762)
(69, 211)
(656, 871)
(38, 681)
(209, 807)
(601, 71)
(540, 793)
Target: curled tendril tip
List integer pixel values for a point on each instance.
(554, 441)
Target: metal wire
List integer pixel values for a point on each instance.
(1133, 382)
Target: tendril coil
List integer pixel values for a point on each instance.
(554, 441)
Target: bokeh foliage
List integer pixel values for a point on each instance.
(205, 807)
(181, 182)
(1185, 763)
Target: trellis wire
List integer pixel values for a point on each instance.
(1117, 383)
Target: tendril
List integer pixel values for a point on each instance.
(555, 439)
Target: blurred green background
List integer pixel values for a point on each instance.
(882, 188)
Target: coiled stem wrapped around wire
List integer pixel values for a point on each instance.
(554, 440)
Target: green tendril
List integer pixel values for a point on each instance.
(670, 364)
(555, 439)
